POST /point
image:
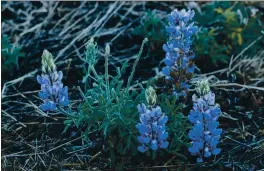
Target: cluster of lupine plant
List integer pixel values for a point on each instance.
(109, 106)
(111, 109)
(204, 135)
(179, 67)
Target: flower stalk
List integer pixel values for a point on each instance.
(204, 134)
(52, 91)
(180, 67)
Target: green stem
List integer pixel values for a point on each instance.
(99, 79)
(107, 78)
(82, 94)
(135, 64)
(65, 112)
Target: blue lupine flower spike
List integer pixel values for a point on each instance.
(152, 128)
(204, 135)
(152, 125)
(179, 67)
(52, 91)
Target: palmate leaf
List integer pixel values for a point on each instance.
(151, 27)
(217, 53)
(206, 44)
(176, 124)
(168, 104)
(234, 29)
(9, 54)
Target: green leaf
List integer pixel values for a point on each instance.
(9, 54)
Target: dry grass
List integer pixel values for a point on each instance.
(33, 140)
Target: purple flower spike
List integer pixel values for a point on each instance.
(52, 91)
(204, 135)
(152, 128)
(179, 65)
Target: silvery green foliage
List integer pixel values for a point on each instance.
(152, 127)
(52, 91)
(179, 67)
(204, 135)
(109, 106)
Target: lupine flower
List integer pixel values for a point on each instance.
(152, 128)
(179, 65)
(204, 135)
(52, 91)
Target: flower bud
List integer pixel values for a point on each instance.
(95, 85)
(203, 87)
(107, 49)
(91, 52)
(48, 64)
(151, 96)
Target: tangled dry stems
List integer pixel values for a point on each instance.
(66, 29)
